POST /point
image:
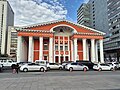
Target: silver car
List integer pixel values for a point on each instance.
(33, 67)
(76, 66)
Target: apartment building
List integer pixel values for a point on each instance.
(6, 19)
(96, 15)
(83, 15)
(112, 46)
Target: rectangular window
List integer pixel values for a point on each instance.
(66, 48)
(56, 47)
(45, 46)
(61, 48)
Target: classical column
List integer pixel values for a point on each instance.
(101, 51)
(93, 50)
(59, 49)
(64, 48)
(30, 51)
(96, 51)
(41, 48)
(19, 44)
(87, 51)
(51, 50)
(72, 53)
(69, 48)
(75, 49)
(84, 49)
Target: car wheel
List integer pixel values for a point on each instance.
(70, 69)
(112, 69)
(48, 68)
(25, 69)
(84, 69)
(60, 68)
(115, 68)
(99, 69)
(42, 69)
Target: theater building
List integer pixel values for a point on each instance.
(58, 41)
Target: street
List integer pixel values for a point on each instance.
(60, 80)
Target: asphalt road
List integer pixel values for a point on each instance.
(60, 80)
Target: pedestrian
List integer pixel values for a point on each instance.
(13, 68)
(17, 68)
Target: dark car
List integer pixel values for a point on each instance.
(87, 63)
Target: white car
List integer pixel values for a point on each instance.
(41, 62)
(54, 66)
(114, 64)
(33, 67)
(103, 67)
(76, 66)
(7, 63)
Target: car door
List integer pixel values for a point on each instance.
(32, 67)
(74, 66)
(80, 66)
(105, 67)
(56, 66)
(35, 67)
(52, 65)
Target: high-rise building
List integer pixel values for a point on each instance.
(12, 42)
(6, 19)
(112, 47)
(96, 14)
(83, 15)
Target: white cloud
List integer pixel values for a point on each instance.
(85, 1)
(33, 11)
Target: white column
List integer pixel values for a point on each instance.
(84, 49)
(59, 49)
(30, 51)
(72, 53)
(51, 50)
(101, 51)
(69, 48)
(64, 48)
(75, 49)
(93, 50)
(96, 51)
(41, 48)
(87, 51)
(19, 43)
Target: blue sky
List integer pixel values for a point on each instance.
(36, 11)
(72, 6)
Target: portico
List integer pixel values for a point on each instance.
(59, 41)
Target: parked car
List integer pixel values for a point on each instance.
(23, 63)
(54, 66)
(65, 63)
(114, 64)
(33, 67)
(100, 67)
(76, 66)
(87, 63)
(41, 62)
(1, 67)
(7, 63)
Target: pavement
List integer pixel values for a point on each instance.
(60, 80)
